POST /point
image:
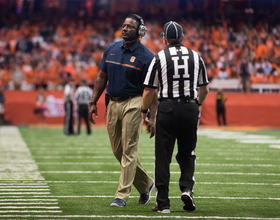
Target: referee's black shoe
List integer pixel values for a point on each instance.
(145, 197)
(187, 198)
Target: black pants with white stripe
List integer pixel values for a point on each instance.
(83, 113)
(175, 121)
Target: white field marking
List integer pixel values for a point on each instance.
(241, 153)
(172, 197)
(29, 211)
(168, 216)
(8, 189)
(75, 157)
(152, 164)
(24, 193)
(19, 200)
(254, 159)
(29, 207)
(9, 186)
(28, 203)
(220, 183)
(237, 165)
(13, 149)
(205, 183)
(172, 172)
(260, 141)
(105, 153)
(240, 137)
(275, 146)
(85, 157)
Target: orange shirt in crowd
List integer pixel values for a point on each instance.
(277, 51)
(28, 73)
(216, 36)
(92, 72)
(53, 73)
(5, 77)
(261, 51)
(77, 79)
(40, 77)
(70, 69)
(258, 78)
(13, 43)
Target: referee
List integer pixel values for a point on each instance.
(176, 72)
(83, 97)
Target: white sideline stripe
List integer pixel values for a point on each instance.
(25, 183)
(28, 211)
(274, 146)
(29, 207)
(47, 200)
(9, 186)
(23, 193)
(168, 216)
(254, 159)
(145, 157)
(260, 141)
(152, 164)
(24, 189)
(85, 157)
(204, 183)
(13, 151)
(173, 172)
(172, 197)
(28, 203)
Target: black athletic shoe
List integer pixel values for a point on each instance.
(157, 209)
(145, 197)
(187, 198)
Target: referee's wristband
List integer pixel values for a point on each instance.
(144, 111)
(92, 103)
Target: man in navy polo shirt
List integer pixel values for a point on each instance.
(124, 67)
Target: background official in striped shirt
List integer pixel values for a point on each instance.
(83, 97)
(68, 106)
(176, 72)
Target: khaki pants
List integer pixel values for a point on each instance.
(124, 124)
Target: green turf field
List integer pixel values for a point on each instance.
(75, 177)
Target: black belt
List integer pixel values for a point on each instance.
(182, 99)
(122, 98)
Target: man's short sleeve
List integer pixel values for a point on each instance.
(102, 64)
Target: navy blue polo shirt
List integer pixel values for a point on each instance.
(126, 68)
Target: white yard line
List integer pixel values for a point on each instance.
(29, 207)
(13, 175)
(18, 200)
(161, 216)
(172, 172)
(21, 187)
(28, 203)
(29, 211)
(171, 197)
(152, 164)
(18, 190)
(203, 183)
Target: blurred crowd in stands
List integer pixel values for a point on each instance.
(35, 53)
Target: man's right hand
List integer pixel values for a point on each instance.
(92, 110)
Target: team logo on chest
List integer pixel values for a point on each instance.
(132, 59)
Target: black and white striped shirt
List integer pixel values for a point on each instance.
(83, 95)
(177, 72)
